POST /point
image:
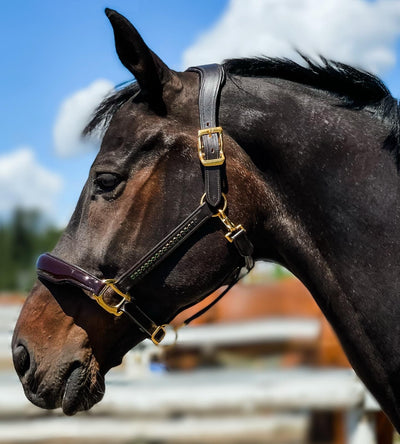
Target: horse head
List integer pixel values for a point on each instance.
(144, 181)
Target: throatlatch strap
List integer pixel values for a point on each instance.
(210, 135)
(233, 281)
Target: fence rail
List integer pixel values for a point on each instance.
(219, 405)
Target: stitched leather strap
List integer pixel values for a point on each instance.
(211, 80)
(56, 270)
(164, 248)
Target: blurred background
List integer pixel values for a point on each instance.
(262, 366)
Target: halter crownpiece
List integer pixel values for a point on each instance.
(210, 136)
(213, 204)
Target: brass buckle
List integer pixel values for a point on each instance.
(200, 147)
(158, 334)
(113, 309)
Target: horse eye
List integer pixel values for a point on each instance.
(106, 181)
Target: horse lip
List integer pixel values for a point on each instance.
(70, 399)
(75, 396)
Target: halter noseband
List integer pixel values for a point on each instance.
(213, 204)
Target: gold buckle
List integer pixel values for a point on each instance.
(200, 147)
(158, 334)
(113, 309)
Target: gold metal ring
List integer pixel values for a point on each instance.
(223, 208)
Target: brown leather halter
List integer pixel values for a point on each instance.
(213, 204)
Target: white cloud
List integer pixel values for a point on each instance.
(73, 116)
(358, 32)
(25, 183)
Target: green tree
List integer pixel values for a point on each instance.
(22, 239)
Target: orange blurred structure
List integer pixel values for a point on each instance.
(282, 298)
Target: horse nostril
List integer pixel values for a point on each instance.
(22, 360)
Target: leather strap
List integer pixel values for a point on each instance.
(165, 247)
(57, 271)
(234, 278)
(155, 332)
(53, 269)
(211, 81)
(244, 247)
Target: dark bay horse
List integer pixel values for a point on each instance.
(311, 172)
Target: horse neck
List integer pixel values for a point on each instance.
(328, 172)
(334, 218)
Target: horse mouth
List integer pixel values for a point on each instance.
(81, 390)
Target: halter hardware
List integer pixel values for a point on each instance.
(200, 147)
(233, 229)
(230, 226)
(113, 309)
(158, 334)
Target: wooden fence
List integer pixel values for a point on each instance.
(215, 405)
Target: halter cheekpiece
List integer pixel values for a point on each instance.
(213, 204)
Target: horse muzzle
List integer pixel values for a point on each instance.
(55, 369)
(72, 386)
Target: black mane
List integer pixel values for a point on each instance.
(357, 89)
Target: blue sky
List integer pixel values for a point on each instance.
(53, 49)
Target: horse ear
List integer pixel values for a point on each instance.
(150, 72)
